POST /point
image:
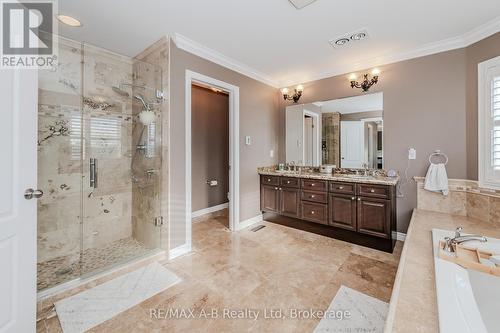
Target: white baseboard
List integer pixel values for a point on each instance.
(209, 210)
(245, 224)
(179, 251)
(400, 236)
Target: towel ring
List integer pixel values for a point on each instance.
(438, 153)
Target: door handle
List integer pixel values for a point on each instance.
(31, 193)
(93, 173)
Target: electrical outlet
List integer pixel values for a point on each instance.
(248, 140)
(412, 154)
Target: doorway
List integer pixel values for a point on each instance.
(209, 153)
(234, 191)
(311, 147)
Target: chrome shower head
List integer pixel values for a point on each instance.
(140, 98)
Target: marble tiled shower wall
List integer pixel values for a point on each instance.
(157, 54)
(73, 217)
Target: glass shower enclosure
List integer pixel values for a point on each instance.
(99, 162)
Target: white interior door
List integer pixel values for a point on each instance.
(352, 139)
(308, 141)
(294, 134)
(18, 137)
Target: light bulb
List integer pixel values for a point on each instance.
(375, 71)
(284, 91)
(352, 77)
(300, 88)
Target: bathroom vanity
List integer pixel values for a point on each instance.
(353, 208)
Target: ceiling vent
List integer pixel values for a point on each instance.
(299, 4)
(349, 39)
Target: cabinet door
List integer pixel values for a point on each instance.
(269, 199)
(342, 211)
(374, 216)
(289, 202)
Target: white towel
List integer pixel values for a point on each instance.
(436, 179)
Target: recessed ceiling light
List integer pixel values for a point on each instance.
(358, 36)
(341, 41)
(69, 20)
(347, 38)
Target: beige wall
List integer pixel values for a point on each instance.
(259, 118)
(476, 53)
(424, 108)
(210, 147)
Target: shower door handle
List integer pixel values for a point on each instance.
(93, 173)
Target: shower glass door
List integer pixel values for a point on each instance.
(99, 162)
(121, 159)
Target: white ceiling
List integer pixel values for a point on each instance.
(281, 44)
(363, 103)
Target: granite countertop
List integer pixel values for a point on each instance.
(413, 306)
(341, 177)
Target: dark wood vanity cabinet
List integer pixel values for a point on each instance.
(342, 211)
(357, 212)
(284, 198)
(269, 198)
(289, 201)
(374, 216)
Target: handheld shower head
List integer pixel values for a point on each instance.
(140, 98)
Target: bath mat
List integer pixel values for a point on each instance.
(89, 308)
(365, 313)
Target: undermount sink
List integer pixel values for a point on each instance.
(468, 300)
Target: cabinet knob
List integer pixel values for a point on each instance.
(359, 199)
(276, 188)
(280, 189)
(341, 187)
(312, 184)
(312, 196)
(288, 182)
(372, 191)
(353, 198)
(312, 212)
(268, 179)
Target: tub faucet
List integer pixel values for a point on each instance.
(451, 243)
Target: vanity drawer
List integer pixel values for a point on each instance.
(377, 191)
(290, 182)
(314, 212)
(270, 180)
(343, 188)
(314, 185)
(321, 197)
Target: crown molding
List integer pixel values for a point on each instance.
(462, 41)
(473, 36)
(204, 52)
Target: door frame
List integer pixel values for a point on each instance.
(234, 148)
(316, 123)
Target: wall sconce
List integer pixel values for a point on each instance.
(367, 83)
(295, 97)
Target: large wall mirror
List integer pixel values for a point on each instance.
(346, 132)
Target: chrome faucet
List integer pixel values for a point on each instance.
(365, 166)
(451, 243)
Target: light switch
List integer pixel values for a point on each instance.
(412, 154)
(271, 153)
(248, 140)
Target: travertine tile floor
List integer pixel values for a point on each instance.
(274, 268)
